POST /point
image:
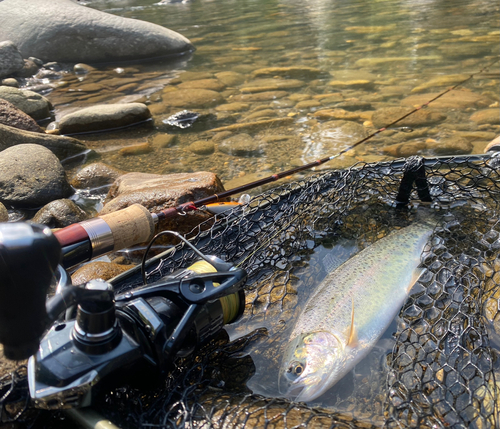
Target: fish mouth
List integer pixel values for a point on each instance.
(299, 391)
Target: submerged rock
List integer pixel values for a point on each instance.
(104, 117)
(60, 213)
(31, 103)
(486, 116)
(241, 145)
(386, 115)
(192, 98)
(457, 99)
(63, 147)
(31, 176)
(64, 31)
(95, 175)
(157, 192)
(11, 59)
(13, 117)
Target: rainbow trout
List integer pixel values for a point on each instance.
(349, 311)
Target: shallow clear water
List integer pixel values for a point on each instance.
(369, 54)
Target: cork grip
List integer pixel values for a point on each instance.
(130, 226)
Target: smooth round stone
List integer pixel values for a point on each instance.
(240, 145)
(486, 116)
(10, 82)
(65, 31)
(202, 147)
(31, 176)
(103, 117)
(31, 103)
(4, 214)
(81, 68)
(230, 78)
(192, 98)
(211, 84)
(232, 107)
(60, 213)
(95, 175)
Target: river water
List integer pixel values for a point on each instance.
(337, 61)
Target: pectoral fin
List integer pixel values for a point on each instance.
(414, 278)
(352, 340)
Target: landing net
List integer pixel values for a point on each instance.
(437, 366)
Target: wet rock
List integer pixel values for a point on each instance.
(104, 117)
(63, 147)
(81, 68)
(95, 175)
(261, 96)
(354, 83)
(264, 113)
(404, 149)
(29, 69)
(486, 116)
(192, 98)
(232, 107)
(450, 146)
(299, 97)
(354, 105)
(263, 85)
(297, 72)
(440, 81)
(381, 61)
(308, 104)
(60, 213)
(11, 59)
(218, 137)
(336, 135)
(97, 270)
(31, 103)
(211, 84)
(202, 147)
(329, 114)
(230, 78)
(157, 192)
(189, 75)
(386, 115)
(10, 82)
(4, 214)
(240, 145)
(162, 140)
(31, 176)
(136, 149)
(13, 117)
(457, 99)
(255, 126)
(64, 31)
(49, 74)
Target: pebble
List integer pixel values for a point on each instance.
(241, 145)
(202, 147)
(330, 114)
(300, 72)
(136, 149)
(386, 115)
(10, 82)
(95, 175)
(308, 104)
(404, 149)
(261, 96)
(232, 107)
(81, 68)
(486, 116)
(264, 85)
(162, 140)
(211, 84)
(60, 213)
(451, 146)
(230, 78)
(264, 113)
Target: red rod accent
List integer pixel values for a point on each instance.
(71, 234)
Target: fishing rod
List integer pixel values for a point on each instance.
(135, 224)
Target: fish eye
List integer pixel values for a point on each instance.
(295, 370)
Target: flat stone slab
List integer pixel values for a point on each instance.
(65, 31)
(103, 117)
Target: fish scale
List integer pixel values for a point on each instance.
(350, 310)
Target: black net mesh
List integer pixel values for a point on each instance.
(437, 366)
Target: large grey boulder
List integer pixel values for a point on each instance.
(64, 31)
(11, 59)
(31, 176)
(31, 103)
(62, 146)
(103, 117)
